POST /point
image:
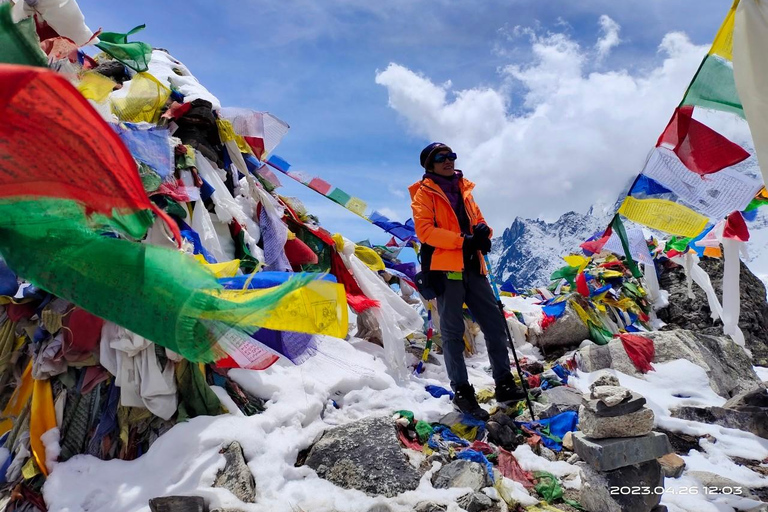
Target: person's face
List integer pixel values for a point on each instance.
(443, 163)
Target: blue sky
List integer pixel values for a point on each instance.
(314, 64)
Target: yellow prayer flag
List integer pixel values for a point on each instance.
(30, 469)
(146, 96)
(18, 400)
(318, 308)
(723, 43)
(664, 215)
(95, 86)
(368, 256)
(42, 419)
(224, 269)
(357, 205)
(577, 260)
(227, 133)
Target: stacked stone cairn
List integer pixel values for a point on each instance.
(618, 448)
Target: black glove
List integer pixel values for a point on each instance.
(482, 231)
(474, 243)
(484, 244)
(470, 244)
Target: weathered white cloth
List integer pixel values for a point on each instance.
(142, 381)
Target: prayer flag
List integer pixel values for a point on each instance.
(699, 147)
(663, 215)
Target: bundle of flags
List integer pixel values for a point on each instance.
(692, 178)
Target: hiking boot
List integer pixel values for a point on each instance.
(465, 401)
(507, 391)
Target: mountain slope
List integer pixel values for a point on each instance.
(531, 249)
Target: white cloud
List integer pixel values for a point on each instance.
(556, 135)
(609, 39)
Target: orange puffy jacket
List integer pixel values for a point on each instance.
(437, 224)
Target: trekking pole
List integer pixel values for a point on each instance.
(428, 345)
(509, 336)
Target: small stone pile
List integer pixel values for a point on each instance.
(619, 449)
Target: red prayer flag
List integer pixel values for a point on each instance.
(581, 284)
(736, 228)
(639, 349)
(700, 148)
(510, 468)
(51, 139)
(257, 145)
(320, 185)
(595, 246)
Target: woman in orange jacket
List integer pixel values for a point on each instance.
(454, 236)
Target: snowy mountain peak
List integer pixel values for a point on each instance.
(531, 249)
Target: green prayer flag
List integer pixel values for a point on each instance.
(714, 87)
(407, 415)
(136, 55)
(196, 398)
(424, 430)
(568, 273)
(164, 295)
(547, 486)
(679, 244)
(618, 227)
(339, 196)
(598, 334)
(755, 204)
(18, 41)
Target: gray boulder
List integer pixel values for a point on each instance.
(728, 367)
(475, 502)
(558, 400)
(638, 423)
(428, 506)
(605, 379)
(629, 405)
(614, 453)
(178, 504)
(566, 331)
(364, 455)
(462, 473)
(604, 492)
(236, 477)
(684, 313)
(672, 464)
(753, 420)
(718, 482)
(610, 395)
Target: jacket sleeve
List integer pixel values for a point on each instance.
(424, 222)
(479, 215)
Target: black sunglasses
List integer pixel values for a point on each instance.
(442, 157)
